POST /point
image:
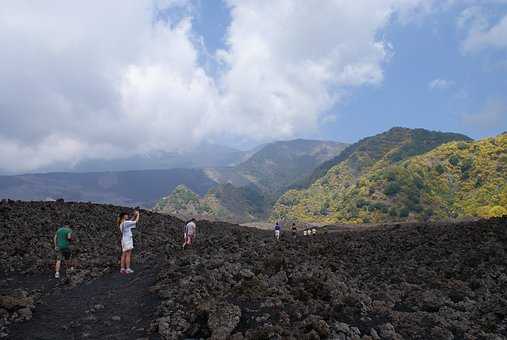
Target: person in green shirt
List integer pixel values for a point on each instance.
(62, 240)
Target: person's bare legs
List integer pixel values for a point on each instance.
(128, 254)
(122, 261)
(57, 266)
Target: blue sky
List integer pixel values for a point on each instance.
(425, 50)
(79, 79)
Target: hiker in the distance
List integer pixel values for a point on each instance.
(294, 230)
(127, 241)
(62, 239)
(189, 232)
(277, 231)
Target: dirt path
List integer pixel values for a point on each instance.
(113, 306)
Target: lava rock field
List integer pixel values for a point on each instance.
(416, 281)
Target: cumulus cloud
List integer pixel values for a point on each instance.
(110, 78)
(440, 84)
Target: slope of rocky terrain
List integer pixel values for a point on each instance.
(416, 281)
(323, 199)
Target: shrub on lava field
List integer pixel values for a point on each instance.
(324, 208)
(462, 145)
(404, 212)
(427, 214)
(467, 164)
(393, 212)
(392, 188)
(361, 203)
(478, 182)
(440, 169)
(419, 183)
(414, 196)
(391, 176)
(380, 206)
(454, 160)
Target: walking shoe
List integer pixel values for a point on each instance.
(129, 271)
(122, 271)
(57, 275)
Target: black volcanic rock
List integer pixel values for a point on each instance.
(415, 281)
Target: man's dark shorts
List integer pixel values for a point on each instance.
(63, 254)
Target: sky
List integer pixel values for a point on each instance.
(107, 79)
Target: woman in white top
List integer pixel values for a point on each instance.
(127, 242)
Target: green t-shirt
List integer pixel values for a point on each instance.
(62, 237)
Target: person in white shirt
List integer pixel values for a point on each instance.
(189, 233)
(127, 242)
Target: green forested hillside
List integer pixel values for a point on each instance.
(456, 180)
(225, 202)
(334, 196)
(182, 202)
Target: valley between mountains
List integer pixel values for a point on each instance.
(399, 175)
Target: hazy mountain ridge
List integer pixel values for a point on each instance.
(201, 156)
(205, 155)
(322, 200)
(247, 192)
(146, 187)
(280, 164)
(128, 188)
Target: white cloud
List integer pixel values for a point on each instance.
(440, 84)
(480, 33)
(288, 62)
(108, 78)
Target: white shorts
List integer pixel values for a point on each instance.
(277, 233)
(127, 244)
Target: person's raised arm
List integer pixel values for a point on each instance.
(137, 216)
(54, 240)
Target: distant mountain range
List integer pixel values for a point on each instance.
(128, 188)
(405, 174)
(247, 191)
(401, 174)
(146, 187)
(205, 155)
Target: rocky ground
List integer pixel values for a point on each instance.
(417, 281)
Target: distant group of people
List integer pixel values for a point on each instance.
(306, 232)
(64, 236)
